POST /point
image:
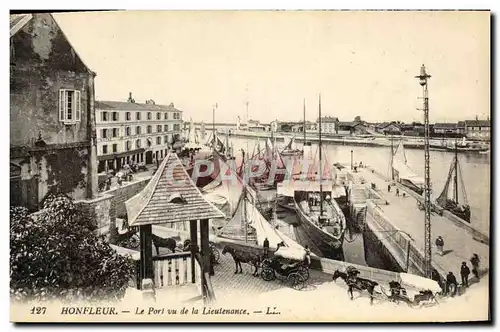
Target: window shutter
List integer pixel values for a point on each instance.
(77, 106)
(61, 104)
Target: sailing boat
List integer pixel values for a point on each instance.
(246, 223)
(453, 205)
(402, 173)
(289, 149)
(319, 214)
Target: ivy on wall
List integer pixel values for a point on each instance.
(64, 170)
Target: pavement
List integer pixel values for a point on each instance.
(139, 176)
(229, 286)
(405, 215)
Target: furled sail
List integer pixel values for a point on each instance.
(400, 164)
(450, 184)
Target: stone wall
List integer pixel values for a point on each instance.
(98, 209)
(124, 193)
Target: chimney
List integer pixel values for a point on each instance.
(130, 99)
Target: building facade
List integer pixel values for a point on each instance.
(477, 129)
(130, 131)
(52, 125)
(328, 124)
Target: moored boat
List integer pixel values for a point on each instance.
(319, 214)
(453, 205)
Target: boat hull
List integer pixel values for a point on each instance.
(330, 246)
(411, 186)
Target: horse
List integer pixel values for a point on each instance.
(360, 284)
(424, 297)
(160, 242)
(240, 256)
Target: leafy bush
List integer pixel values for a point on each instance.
(56, 254)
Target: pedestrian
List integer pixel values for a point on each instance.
(308, 255)
(464, 273)
(451, 280)
(397, 191)
(212, 263)
(389, 188)
(266, 247)
(475, 265)
(440, 245)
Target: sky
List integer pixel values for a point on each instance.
(362, 63)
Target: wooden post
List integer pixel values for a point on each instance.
(145, 232)
(193, 232)
(205, 247)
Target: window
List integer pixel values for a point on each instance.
(127, 131)
(158, 116)
(128, 145)
(115, 116)
(149, 129)
(166, 116)
(158, 140)
(176, 126)
(138, 143)
(137, 115)
(158, 128)
(115, 148)
(69, 106)
(149, 115)
(104, 133)
(127, 116)
(104, 149)
(138, 130)
(115, 132)
(104, 116)
(148, 142)
(165, 139)
(165, 127)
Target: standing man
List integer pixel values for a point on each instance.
(475, 265)
(440, 245)
(464, 273)
(451, 280)
(389, 188)
(266, 247)
(308, 256)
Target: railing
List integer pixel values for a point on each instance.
(172, 269)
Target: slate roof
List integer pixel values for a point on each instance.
(128, 106)
(170, 197)
(478, 123)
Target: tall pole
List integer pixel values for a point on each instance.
(423, 77)
(320, 166)
(304, 128)
(214, 107)
(392, 159)
(351, 160)
(456, 173)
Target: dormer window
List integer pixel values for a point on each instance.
(69, 106)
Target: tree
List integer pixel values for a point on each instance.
(56, 254)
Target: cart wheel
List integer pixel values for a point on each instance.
(304, 272)
(267, 274)
(297, 281)
(216, 253)
(134, 241)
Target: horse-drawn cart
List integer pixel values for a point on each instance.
(128, 236)
(413, 290)
(287, 264)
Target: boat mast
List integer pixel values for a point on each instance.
(320, 165)
(304, 127)
(456, 174)
(244, 193)
(392, 158)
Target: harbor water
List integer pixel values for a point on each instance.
(475, 170)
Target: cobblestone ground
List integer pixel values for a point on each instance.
(228, 285)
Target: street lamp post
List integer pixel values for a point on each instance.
(351, 160)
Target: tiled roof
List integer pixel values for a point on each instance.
(18, 21)
(478, 123)
(128, 106)
(328, 119)
(445, 125)
(170, 197)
